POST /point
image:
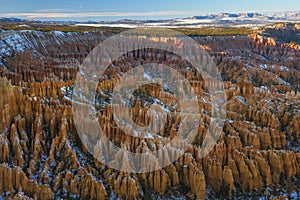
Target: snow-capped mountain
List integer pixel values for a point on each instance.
(250, 19)
(222, 19)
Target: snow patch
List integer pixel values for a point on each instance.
(59, 33)
(264, 67)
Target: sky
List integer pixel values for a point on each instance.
(109, 10)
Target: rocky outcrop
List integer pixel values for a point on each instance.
(124, 185)
(14, 179)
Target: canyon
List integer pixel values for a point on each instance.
(257, 153)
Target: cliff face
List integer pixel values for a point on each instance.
(42, 156)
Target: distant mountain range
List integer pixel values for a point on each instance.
(222, 19)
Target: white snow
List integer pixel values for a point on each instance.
(265, 88)
(294, 195)
(110, 25)
(193, 21)
(15, 41)
(147, 76)
(242, 100)
(284, 68)
(59, 33)
(264, 67)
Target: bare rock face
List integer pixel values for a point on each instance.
(197, 182)
(159, 181)
(282, 163)
(262, 40)
(228, 181)
(15, 179)
(213, 173)
(4, 145)
(263, 166)
(244, 171)
(124, 185)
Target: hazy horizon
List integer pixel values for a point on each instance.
(137, 16)
(92, 10)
